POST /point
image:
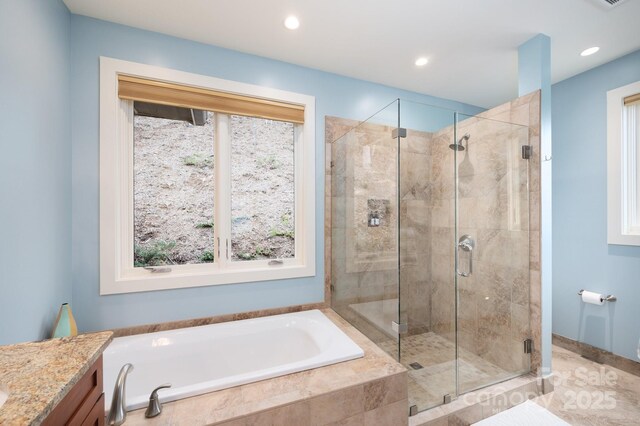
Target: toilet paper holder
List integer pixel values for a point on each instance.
(608, 298)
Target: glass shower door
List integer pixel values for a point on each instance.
(427, 282)
(492, 251)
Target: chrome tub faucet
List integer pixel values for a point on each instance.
(155, 407)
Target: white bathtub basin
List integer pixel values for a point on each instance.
(203, 359)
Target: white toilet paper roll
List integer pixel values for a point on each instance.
(593, 298)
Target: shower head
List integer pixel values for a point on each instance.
(458, 145)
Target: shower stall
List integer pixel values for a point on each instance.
(429, 238)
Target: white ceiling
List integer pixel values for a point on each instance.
(471, 45)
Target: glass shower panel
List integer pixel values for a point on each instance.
(492, 271)
(364, 219)
(427, 235)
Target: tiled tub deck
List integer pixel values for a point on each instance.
(367, 391)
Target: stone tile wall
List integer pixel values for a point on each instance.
(363, 259)
(381, 402)
(493, 208)
(415, 231)
(364, 178)
(525, 111)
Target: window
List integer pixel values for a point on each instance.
(623, 165)
(202, 181)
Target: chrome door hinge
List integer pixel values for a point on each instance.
(399, 328)
(528, 346)
(398, 131)
(527, 150)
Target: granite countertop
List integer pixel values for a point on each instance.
(38, 375)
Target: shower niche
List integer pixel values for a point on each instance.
(430, 241)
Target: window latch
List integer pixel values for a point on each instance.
(157, 270)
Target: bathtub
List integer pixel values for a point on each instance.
(203, 359)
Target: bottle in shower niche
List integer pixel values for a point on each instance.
(65, 324)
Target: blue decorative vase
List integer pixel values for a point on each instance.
(65, 324)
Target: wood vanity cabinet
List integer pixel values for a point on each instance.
(84, 404)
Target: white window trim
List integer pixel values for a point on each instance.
(620, 171)
(117, 274)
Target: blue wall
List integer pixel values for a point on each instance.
(35, 167)
(534, 73)
(582, 258)
(335, 95)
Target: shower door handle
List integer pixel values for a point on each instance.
(466, 244)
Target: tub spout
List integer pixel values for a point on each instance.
(118, 412)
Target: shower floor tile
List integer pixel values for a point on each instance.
(429, 385)
(436, 354)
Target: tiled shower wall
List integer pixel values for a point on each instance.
(363, 257)
(502, 297)
(493, 317)
(525, 111)
(364, 181)
(416, 231)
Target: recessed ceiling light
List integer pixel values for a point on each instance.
(291, 22)
(420, 62)
(589, 51)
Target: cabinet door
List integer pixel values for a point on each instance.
(96, 415)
